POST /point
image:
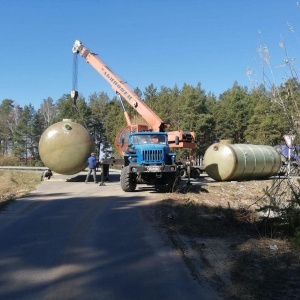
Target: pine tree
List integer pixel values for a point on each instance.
(24, 139)
(232, 113)
(6, 123)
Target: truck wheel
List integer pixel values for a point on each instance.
(294, 171)
(182, 173)
(173, 183)
(195, 173)
(128, 180)
(170, 186)
(283, 170)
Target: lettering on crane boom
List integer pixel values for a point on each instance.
(117, 84)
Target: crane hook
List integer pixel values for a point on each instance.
(74, 96)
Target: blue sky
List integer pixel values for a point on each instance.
(159, 42)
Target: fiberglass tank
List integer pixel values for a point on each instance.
(224, 162)
(64, 147)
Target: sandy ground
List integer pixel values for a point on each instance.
(216, 228)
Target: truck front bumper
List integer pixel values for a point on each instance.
(152, 169)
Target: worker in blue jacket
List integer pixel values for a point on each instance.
(92, 164)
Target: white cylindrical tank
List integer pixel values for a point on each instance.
(225, 162)
(64, 147)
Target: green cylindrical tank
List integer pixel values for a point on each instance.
(225, 162)
(65, 146)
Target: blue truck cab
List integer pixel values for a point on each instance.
(149, 159)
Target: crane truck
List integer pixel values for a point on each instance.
(146, 149)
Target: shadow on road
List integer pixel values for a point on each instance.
(82, 177)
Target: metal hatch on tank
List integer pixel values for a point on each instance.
(65, 146)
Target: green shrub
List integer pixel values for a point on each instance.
(38, 163)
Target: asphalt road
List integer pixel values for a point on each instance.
(71, 240)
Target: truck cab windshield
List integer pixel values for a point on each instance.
(149, 139)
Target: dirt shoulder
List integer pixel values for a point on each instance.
(14, 184)
(216, 228)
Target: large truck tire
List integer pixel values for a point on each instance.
(128, 180)
(195, 173)
(171, 184)
(294, 170)
(182, 173)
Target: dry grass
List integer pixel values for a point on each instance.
(15, 184)
(216, 228)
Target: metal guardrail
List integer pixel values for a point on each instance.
(24, 168)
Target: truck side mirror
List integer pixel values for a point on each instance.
(177, 140)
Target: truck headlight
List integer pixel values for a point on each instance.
(132, 159)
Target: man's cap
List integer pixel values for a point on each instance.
(93, 153)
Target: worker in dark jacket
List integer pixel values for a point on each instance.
(92, 164)
(46, 174)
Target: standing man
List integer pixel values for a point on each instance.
(92, 164)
